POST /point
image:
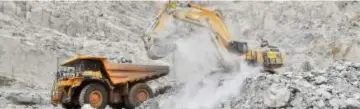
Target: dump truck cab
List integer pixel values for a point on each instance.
(94, 80)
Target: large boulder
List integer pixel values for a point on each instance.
(277, 96)
(26, 98)
(352, 104)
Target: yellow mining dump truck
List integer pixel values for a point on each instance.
(99, 82)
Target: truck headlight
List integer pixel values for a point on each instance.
(87, 73)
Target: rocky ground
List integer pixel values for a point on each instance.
(34, 35)
(336, 87)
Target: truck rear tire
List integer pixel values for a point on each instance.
(95, 95)
(138, 93)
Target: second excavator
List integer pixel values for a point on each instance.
(268, 56)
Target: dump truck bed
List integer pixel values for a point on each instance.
(123, 73)
(140, 68)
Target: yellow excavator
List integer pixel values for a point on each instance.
(268, 56)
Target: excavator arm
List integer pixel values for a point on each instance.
(194, 14)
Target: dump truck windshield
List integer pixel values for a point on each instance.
(78, 67)
(64, 72)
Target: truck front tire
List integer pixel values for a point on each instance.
(138, 93)
(95, 95)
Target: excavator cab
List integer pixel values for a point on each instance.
(273, 58)
(268, 56)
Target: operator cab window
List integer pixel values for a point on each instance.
(84, 65)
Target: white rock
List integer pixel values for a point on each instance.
(320, 104)
(336, 103)
(357, 96)
(352, 103)
(356, 65)
(277, 96)
(340, 67)
(324, 93)
(322, 71)
(288, 74)
(348, 63)
(87, 106)
(320, 80)
(25, 98)
(297, 102)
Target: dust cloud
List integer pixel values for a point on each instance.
(204, 83)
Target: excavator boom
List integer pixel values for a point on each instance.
(203, 16)
(195, 14)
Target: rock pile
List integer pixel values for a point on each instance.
(335, 87)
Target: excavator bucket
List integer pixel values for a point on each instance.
(160, 48)
(238, 47)
(158, 44)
